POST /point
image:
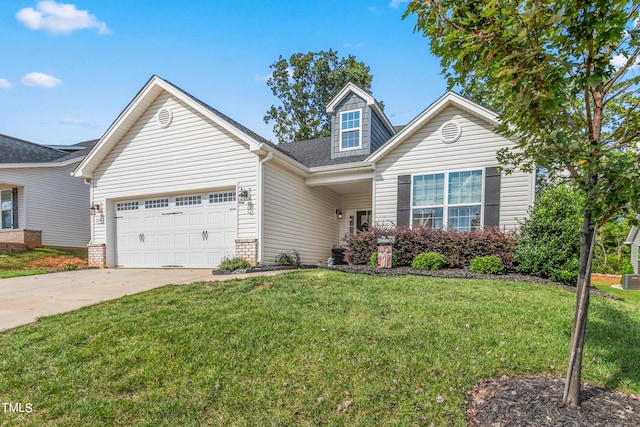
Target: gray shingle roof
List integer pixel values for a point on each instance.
(317, 152)
(14, 150)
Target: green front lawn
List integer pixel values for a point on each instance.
(304, 348)
(41, 260)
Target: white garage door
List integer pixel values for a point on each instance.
(191, 231)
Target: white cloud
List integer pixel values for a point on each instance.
(59, 18)
(262, 78)
(4, 84)
(620, 60)
(40, 80)
(396, 3)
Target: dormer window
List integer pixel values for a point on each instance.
(350, 126)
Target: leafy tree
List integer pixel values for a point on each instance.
(611, 255)
(304, 85)
(549, 241)
(561, 71)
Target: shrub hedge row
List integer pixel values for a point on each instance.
(458, 247)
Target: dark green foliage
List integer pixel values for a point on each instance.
(292, 259)
(487, 265)
(458, 248)
(428, 261)
(304, 85)
(549, 242)
(233, 264)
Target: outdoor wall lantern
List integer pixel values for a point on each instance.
(339, 213)
(95, 208)
(243, 195)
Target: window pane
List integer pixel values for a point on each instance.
(465, 187)
(428, 190)
(351, 139)
(7, 219)
(350, 120)
(464, 218)
(427, 217)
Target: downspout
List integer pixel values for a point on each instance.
(89, 182)
(261, 204)
(373, 195)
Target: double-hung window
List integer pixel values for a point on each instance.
(350, 126)
(452, 199)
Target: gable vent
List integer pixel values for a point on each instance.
(450, 132)
(165, 116)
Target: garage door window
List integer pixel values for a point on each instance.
(127, 206)
(157, 203)
(229, 196)
(188, 200)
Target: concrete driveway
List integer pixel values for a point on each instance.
(24, 299)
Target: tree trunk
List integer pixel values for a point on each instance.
(571, 394)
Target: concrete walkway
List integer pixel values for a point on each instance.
(24, 299)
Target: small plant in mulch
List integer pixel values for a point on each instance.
(232, 264)
(487, 265)
(289, 258)
(428, 261)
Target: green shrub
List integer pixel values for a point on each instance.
(373, 260)
(292, 259)
(549, 242)
(627, 268)
(428, 261)
(487, 265)
(233, 264)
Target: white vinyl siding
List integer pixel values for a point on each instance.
(297, 217)
(424, 153)
(52, 201)
(635, 262)
(193, 155)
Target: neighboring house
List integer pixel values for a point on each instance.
(41, 203)
(633, 239)
(177, 183)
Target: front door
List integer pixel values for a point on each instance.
(358, 221)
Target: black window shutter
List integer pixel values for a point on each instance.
(404, 201)
(492, 197)
(14, 206)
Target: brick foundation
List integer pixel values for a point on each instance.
(247, 249)
(97, 255)
(29, 238)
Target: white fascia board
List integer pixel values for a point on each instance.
(632, 234)
(344, 167)
(450, 98)
(349, 87)
(152, 88)
(39, 165)
(339, 178)
(96, 155)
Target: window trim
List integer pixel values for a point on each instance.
(446, 205)
(353, 129)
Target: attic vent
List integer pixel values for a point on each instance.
(165, 116)
(450, 132)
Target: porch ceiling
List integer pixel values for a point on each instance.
(350, 187)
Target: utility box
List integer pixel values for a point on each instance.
(631, 282)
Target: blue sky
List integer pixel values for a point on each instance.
(69, 69)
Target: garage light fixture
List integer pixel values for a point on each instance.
(243, 195)
(95, 208)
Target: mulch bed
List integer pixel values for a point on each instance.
(533, 401)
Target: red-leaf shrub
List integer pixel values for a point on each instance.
(458, 247)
